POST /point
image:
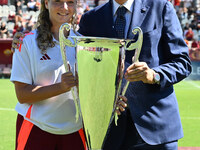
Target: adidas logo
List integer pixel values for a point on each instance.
(45, 57)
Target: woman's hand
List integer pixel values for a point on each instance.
(68, 81)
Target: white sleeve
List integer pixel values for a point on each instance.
(21, 66)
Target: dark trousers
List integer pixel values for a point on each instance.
(124, 136)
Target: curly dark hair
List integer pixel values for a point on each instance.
(44, 37)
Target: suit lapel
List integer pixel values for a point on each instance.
(139, 13)
(108, 20)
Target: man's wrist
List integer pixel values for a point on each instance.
(156, 78)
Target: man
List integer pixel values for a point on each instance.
(152, 119)
(3, 30)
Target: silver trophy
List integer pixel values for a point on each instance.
(100, 63)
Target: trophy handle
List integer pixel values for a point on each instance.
(63, 42)
(137, 45)
(134, 44)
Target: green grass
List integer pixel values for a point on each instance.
(7, 115)
(188, 95)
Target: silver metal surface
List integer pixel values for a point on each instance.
(63, 42)
(100, 68)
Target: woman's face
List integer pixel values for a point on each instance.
(60, 11)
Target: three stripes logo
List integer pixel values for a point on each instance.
(45, 57)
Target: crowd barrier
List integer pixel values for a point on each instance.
(5, 51)
(195, 58)
(195, 75)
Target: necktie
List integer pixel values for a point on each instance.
(120, 22)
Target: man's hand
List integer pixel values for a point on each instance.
(139, 71)
(121, 105)
(16, 40)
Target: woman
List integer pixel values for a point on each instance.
(46, 110)
(46, 105)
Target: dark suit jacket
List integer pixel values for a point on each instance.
(154, 108)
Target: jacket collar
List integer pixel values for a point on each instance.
(139, 12)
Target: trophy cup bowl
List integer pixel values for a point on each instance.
(100, 72)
